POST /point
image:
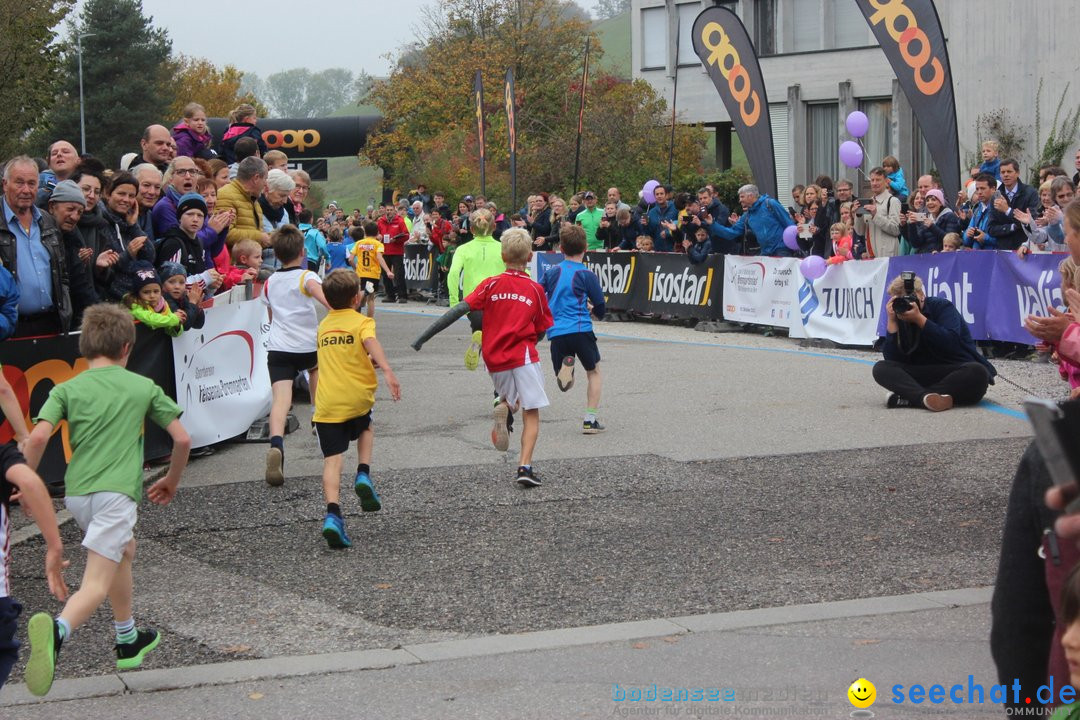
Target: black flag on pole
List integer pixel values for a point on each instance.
(511, 128)
(721, 41)
(478, 98)
(909, 32)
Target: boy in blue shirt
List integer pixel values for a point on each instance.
(336, 250)
(571, 288)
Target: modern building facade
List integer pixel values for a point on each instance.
(820, 61)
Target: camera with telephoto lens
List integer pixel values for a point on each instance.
(908, 300)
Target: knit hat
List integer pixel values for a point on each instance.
(191, 201)
(935, 193)
(67, 191)
(171, 269)
(142, 274)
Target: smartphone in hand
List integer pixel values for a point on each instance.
(1057, 428)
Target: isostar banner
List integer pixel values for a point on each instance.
(761, 290)
(722, 43)
(221, 378)
(909, 32)
(617, 272)
(511, 128)
(418, 264)
(843, 304)
(668, 284)
(478, 102)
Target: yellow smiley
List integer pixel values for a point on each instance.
(862, 693)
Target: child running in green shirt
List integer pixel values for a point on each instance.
(105, 407)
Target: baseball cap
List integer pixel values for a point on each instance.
(589, 195)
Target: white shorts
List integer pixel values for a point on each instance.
(524, 385)
(108, 519)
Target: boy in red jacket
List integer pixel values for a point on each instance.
(516, 316)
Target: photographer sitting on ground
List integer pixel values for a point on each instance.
(930, 359)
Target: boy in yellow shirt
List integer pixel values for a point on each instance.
(366, 257)
(344, 397)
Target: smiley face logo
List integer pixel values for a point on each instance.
(862, 693)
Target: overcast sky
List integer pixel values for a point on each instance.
(353, 34)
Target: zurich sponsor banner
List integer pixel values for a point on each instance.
(1020, 288)
(418, 263)
(761, 290)
(221, 378)
(842, 305)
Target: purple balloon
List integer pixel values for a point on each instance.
(857, 124)
(791, 237)
(851, 154)
(813, 267)
(647, 191)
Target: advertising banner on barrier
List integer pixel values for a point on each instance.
(669, 284)
(1020, 288)
(963, 278)
(761, 290)
(221, 378)
(616, 272)
(842, 305)
(418, 264)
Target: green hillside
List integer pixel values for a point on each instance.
(615, 39)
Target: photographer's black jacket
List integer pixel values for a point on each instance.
(944, 340)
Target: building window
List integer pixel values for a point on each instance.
(823, 139)
(805, 27)
(877, 143)
(654, 31)
(848, 25)
(688, 12)
(922, 161)
(765, 27)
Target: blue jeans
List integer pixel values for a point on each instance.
(9, 640)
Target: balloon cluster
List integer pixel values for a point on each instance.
(851, 153)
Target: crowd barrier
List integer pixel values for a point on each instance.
(217, 374)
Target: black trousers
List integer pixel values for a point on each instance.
(966, 383)
(395, 288)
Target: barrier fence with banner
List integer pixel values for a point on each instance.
(418, 266)
(993, 291)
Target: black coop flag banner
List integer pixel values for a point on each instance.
(909, 32)
(511, 128)
(478, 99)
(722, 43)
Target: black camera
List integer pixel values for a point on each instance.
(908, 300)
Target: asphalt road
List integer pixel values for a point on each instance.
(737, 472)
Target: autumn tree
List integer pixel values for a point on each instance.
(217, 90)
(611, 8)
(125, 76)
(429, 127)
(30, 65)
(301, 93)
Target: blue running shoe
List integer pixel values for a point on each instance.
(333, 529)
(369, 499)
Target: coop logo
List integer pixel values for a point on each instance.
(418, 268)
(748, 278)
(299, 140)
(905, 33)
(725, 58)
(615, 278)
(1038, 300)
(680, 288)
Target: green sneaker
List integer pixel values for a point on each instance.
(44, 635)
(130, 655)
(472, 355)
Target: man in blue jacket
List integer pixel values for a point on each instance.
(661, 221)
(763, 216)
(930, 358)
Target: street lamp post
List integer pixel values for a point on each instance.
(82, 107)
